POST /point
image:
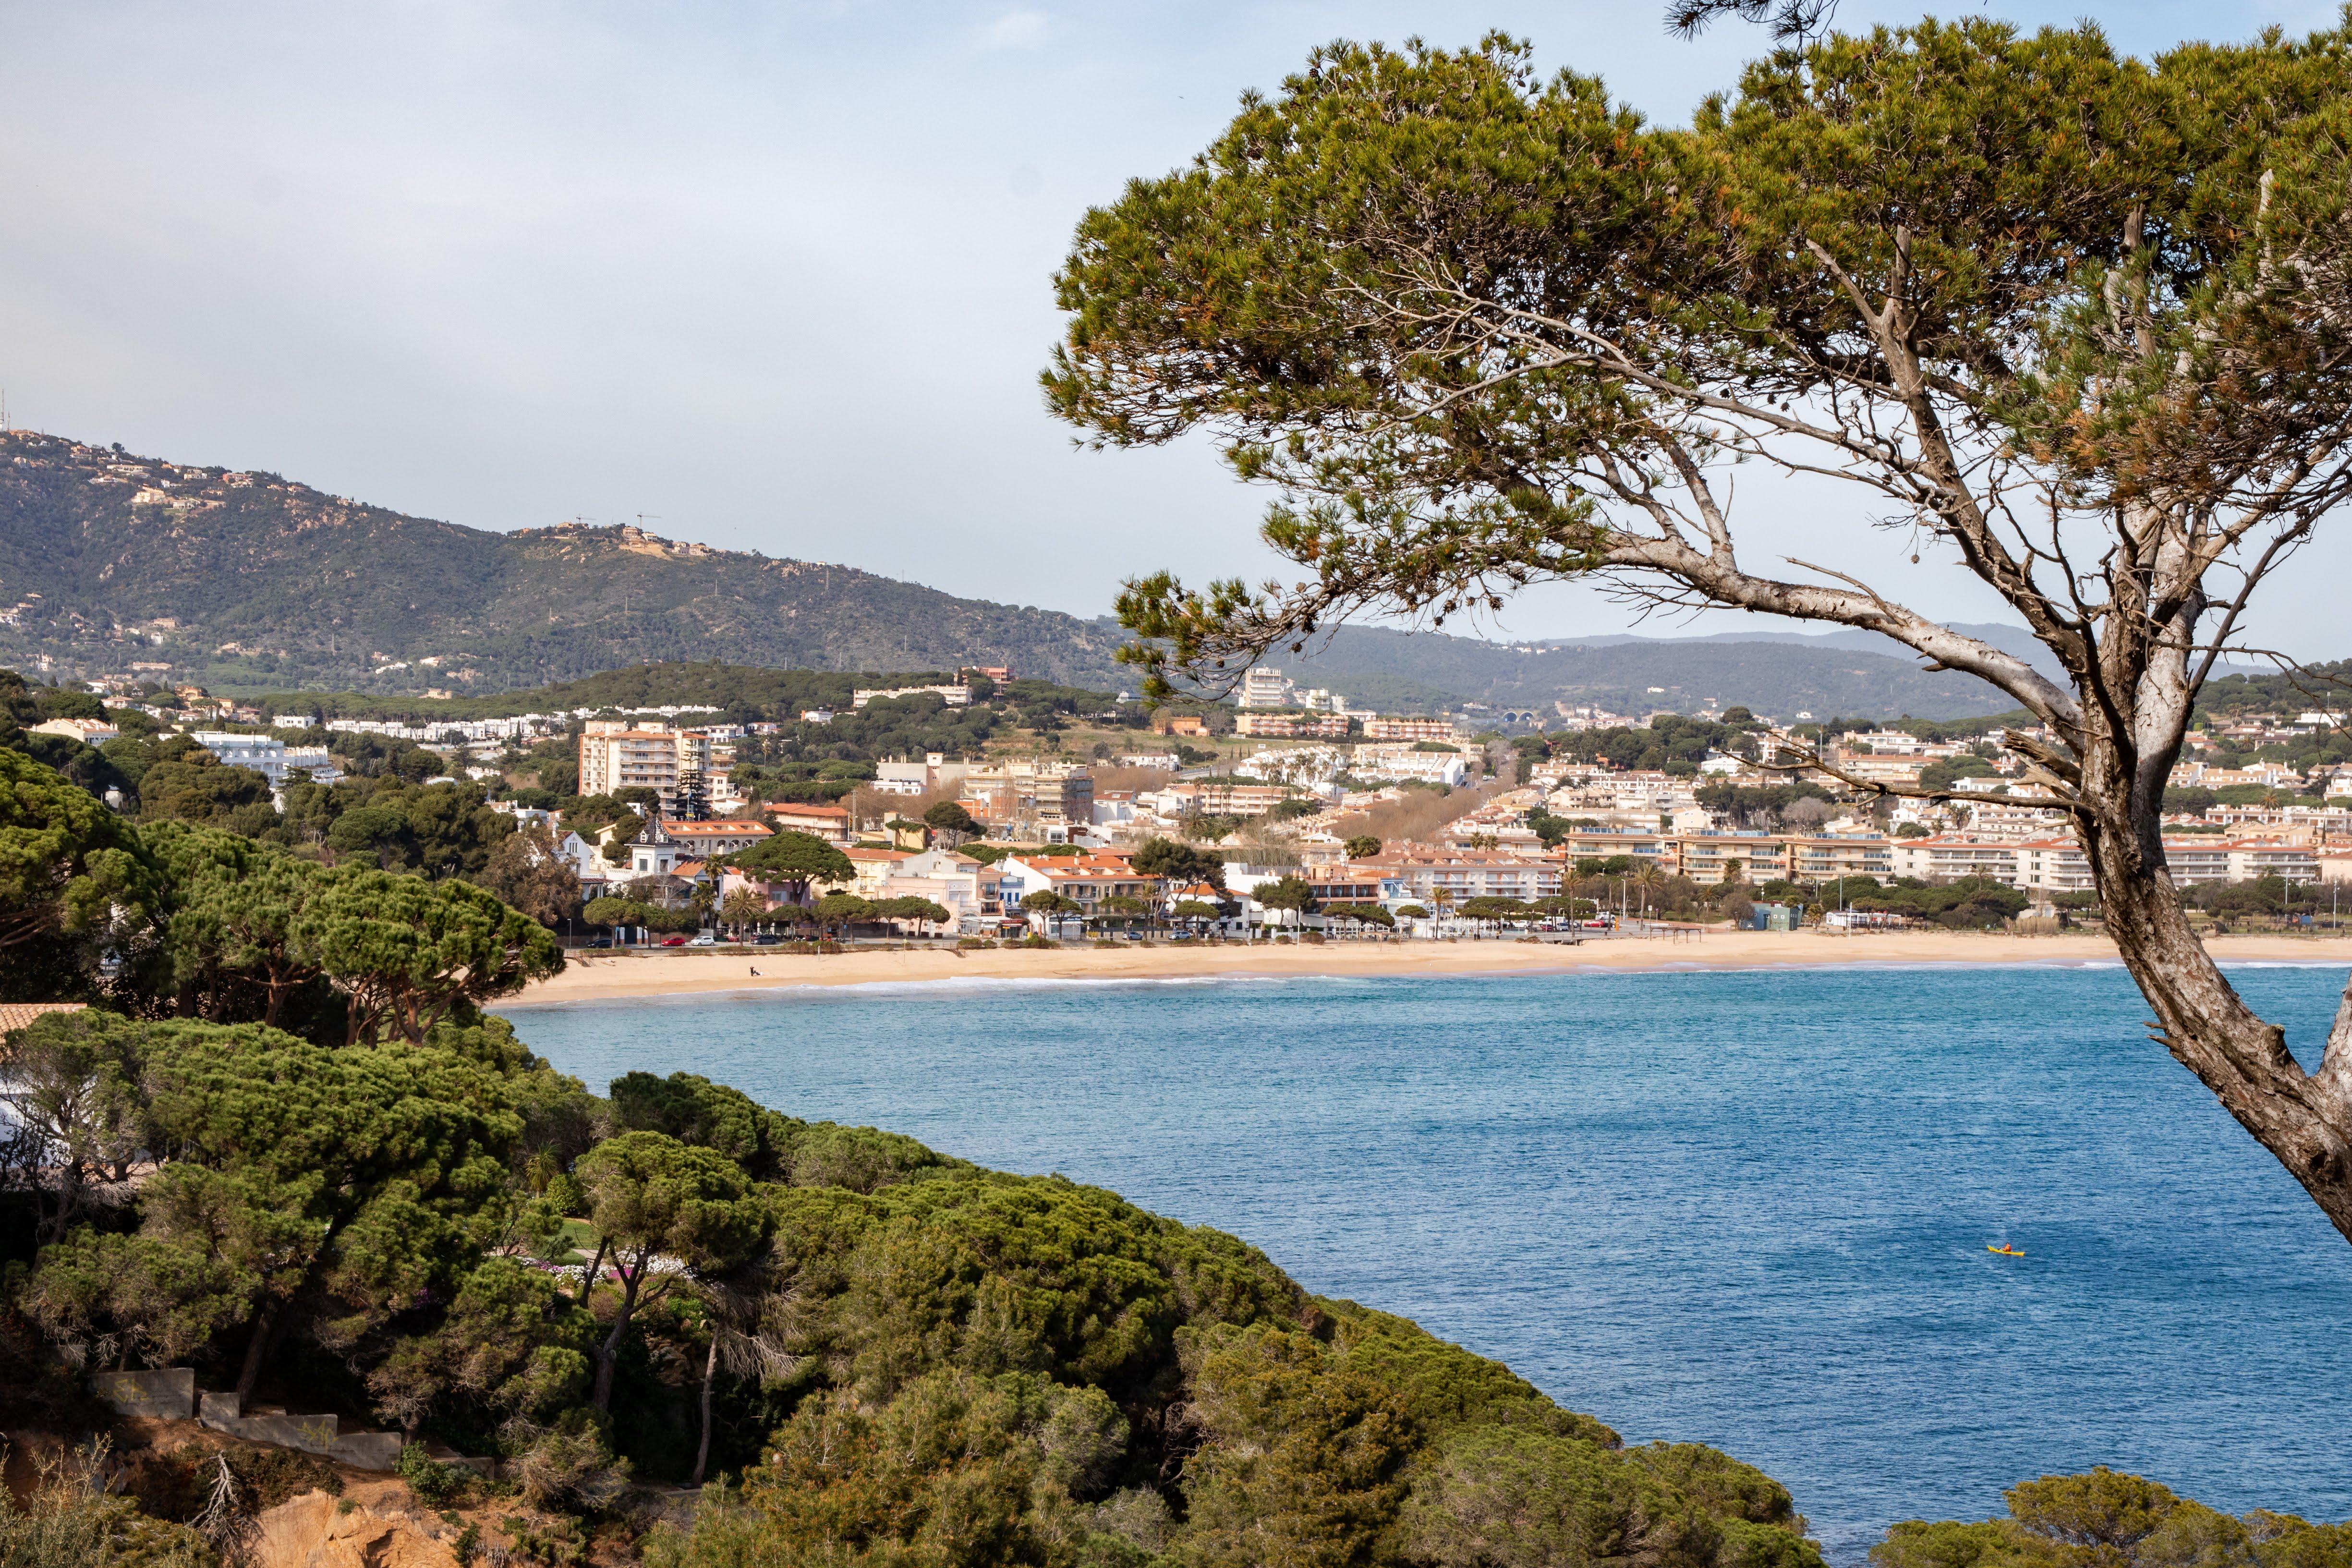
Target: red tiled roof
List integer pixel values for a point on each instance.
(14, 1015)
(727, 829)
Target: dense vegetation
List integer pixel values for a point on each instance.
(2321, 686)
(1669, 743)
(2107, 1520)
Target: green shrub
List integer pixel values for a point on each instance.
(437, 1485)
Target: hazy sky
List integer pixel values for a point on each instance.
(775, 275)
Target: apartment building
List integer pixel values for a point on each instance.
(1897, 744)
(872, 870)
(2059, 866)
(1356, 884)
(1217, 797)
(1872, 768)
(953, 696)
(1706, 858)
(1291, 726)
(619, 754)
(722, 836)
(1391, 761)
(1086, 879)
(1824, 858)
(826, 822)
(1264, 687)
(1607, 844)
(1408, 730)
(1950, 857)
(1050, 796)
(1432, 877)
(934, 772)
(269, 756)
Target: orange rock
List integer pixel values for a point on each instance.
(308, 1533)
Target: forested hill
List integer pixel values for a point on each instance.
(250, 583)
(247, 582)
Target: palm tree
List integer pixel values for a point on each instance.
(1651, 878)
(743, 907)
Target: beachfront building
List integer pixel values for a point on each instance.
(1086, 879)
(2058, 865)
(1432, 877)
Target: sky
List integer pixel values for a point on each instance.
(772, 277)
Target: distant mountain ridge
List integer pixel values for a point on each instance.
(1781, 677)
(248, 583)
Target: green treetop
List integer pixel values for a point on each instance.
(404, 951)
(794, 861)
(652, 1196)
(71, 874)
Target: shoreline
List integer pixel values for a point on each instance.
(617, 977)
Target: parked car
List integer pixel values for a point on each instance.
(673, 941)
(765, 939)
(600, 942)
(704, 939)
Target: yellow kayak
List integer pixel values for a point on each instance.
(2005, 1251)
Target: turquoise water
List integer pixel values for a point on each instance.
(1748, 1209)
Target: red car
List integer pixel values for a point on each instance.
(673, 941)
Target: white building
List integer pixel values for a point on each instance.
(1400, 763)
(1264, 687)
(269, 756)
(953, 696)
(618, 754)
(2059, 865)
(934, 772)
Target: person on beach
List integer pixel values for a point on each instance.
(754, 969)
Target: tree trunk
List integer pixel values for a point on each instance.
(2302, 1118)
(257, 1351)
(588, 1280)
(709, 1370)
(609, 1353)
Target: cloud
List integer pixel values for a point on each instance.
(1014, 30)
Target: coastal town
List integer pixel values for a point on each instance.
(1300, 818)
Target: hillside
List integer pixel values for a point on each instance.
(251, 581)
(1780, 675)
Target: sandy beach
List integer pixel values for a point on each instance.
(604, 976)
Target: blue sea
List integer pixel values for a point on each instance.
(1744, 1208)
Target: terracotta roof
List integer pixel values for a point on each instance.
(14, 1015)
(725, 829)
(794, 808)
